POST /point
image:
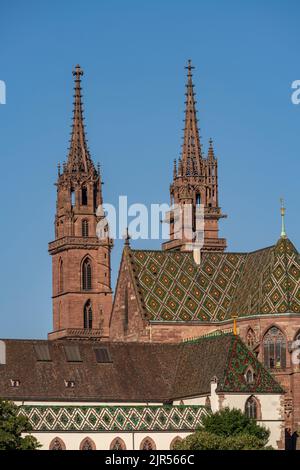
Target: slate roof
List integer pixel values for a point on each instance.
(173, 287)
(138, 372)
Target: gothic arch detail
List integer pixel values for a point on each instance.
(147, 444)
(253, 408)
(250, 338)
(88, 315)
(86, 274)
(117, 444)
(87, 444)
(174, 442)
(85, 228)
(57, 444)
(274, 347)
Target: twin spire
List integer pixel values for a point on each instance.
(79, 159)
(190, 163)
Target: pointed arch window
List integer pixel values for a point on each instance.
(177, 440)
(85, 228)
(87, 274)
(84, 196)
(250, 376)
(251, 408)
(57, 444)
(250, 338)
(117, 444)
(147, 444)
(88, 315)
(87, 444)
(61, 276)
(274, 349)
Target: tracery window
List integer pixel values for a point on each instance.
(251, 408)
(88, 315)
(87, 275)
(118, 444)
(274, 349)
(147, 444)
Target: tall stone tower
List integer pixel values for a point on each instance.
(195, 185)
(82, 295)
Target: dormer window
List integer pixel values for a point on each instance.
(69, 383)
(15, 383)
(249, 376)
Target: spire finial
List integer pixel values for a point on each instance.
(191, 148)
(211, 153)
(282, 211)
(127, 238)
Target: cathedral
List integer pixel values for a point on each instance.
(188, 330)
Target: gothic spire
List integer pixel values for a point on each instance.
(191, 149)
(79, 159)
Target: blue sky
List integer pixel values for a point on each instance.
(133, 54)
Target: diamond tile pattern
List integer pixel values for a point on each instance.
(174, 288)
(114, 418)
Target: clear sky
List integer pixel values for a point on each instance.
(133, 53)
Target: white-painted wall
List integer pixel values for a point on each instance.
(103, 440)
(270, 412)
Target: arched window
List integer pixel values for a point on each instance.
(198, 199)
(175, 442)
(87, 444)
(117, 444)
(147, 444)
(251, 408)
(88, 315)
(87, 275)
(61, 276)
(85, 228)
(250, 338)
(57, 444)
(84, 198)
(249, 375)
(274, 349)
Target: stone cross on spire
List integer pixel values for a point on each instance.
(191, 148)
(79, 159)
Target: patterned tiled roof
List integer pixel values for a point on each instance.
(137, 373)
(174, 288)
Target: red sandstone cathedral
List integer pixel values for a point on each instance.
(163, 295)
